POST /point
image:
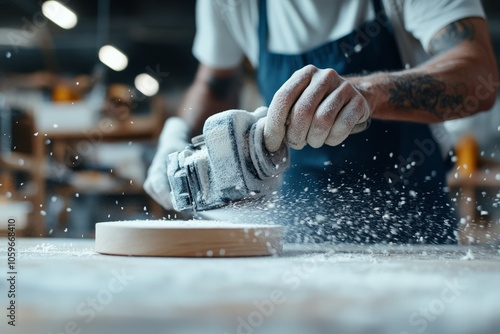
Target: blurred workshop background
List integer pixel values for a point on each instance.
(85, 87)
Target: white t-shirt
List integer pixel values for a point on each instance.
(226, 30)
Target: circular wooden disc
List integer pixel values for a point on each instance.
(194, 238)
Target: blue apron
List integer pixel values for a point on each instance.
(382, 185)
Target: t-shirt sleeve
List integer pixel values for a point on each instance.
(213, 44)
(424, 18)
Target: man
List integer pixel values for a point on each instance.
(327, 67)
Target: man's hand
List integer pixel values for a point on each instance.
(212, 91)
(315, 107)
(174, 137)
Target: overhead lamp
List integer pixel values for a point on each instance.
(146, 84)
(113, 58)
(59, 14)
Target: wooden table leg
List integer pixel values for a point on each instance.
(468, 211)
(59, 150)
(36, 227)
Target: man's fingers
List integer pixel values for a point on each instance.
(324, 118)
(350, 115)
(282, 103)
(303, 112)
(314, 107)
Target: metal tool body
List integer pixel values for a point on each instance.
(228, 163)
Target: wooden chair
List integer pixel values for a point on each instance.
(472, 174)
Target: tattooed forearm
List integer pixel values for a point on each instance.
(450, 36)
(424, 92)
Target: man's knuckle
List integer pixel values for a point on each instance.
(310, 68)
(330, 74)
(305, 72)
(329, 110)
(360, 106)
(346, 88)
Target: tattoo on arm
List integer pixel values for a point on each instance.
(424, 92)
(451, 36)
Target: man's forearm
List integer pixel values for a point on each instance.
(212, 91)
(459, 81)
(429, 94)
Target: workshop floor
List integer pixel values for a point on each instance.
(65, 287)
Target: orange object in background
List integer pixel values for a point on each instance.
(63, 93)
(118, 102)
(467, 152)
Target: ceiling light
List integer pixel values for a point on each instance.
(113, 58)
(146, 84)
(59, 14)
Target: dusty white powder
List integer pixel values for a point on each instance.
(49, 249)
(188, 224)
(468, 255)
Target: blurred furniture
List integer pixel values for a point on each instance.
(68, 147)
(21, 145)
(32, 150)
(33, 193)
(472, 174)
(21, 200)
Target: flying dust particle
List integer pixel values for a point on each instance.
(468, 255)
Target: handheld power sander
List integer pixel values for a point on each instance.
(227, 163)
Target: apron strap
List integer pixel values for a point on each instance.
(377, 6)
(263, 28)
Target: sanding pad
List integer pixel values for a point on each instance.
(194, 238)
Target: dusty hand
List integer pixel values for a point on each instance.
(315, 107)
(174, 137)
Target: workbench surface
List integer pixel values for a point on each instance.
(63, 286)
